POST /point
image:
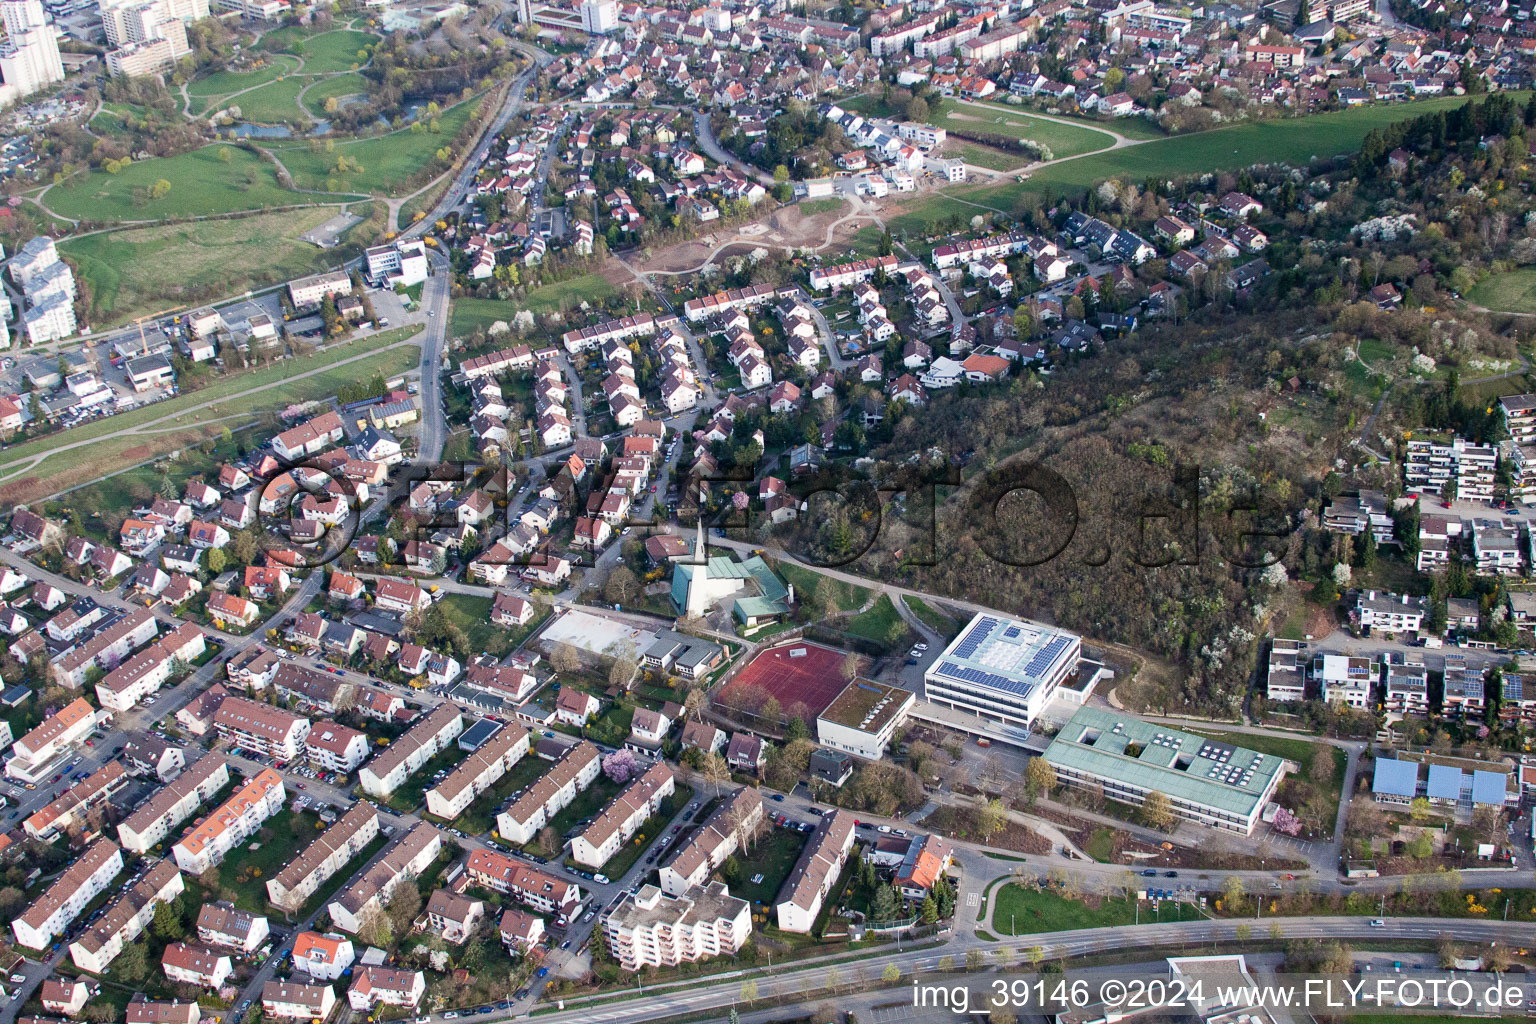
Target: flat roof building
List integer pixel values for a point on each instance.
(1003, 669)
(863, 718)
(1207, 782)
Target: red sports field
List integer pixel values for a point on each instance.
(813, 676)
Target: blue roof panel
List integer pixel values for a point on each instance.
(1488, 788)
(1396, 778)
(1444, 782)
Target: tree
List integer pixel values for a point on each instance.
(693, 704)
(749, 991)
(1039, 778)
(1232, 891)
(1244, 932)
(1035, 954)
(564, 658)
(404, 906)
(160, 189)
(850, 666)
(991, 818)
(12, 900)
(917, 109)
(714, 769)
(1157, 810)
(928, 911)
(621, 673)
(1419, 809)
(973, 960)
(622, 585)
(215, 560)
(132, 964)
(1320, 771)
(620, 766)
(166, 923)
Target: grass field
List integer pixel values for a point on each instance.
(246, 870)
(175, 422)
(1293, 140)
(1063, 140)
(848, 596)
(138, 270)
(774, 858)
(931, 616)
(1511, 292)
(567, 294)
(1020, 911)
(480, 817)
(879, 624)
(201, 184)
(276, 103)
(340, 87)
(333, 51)
(205, 92)
(473, 615)
(984, 156)
(811, 207)
(387, 161)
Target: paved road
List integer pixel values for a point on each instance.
(705, 133)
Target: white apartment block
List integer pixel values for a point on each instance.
(228, 927)
(47, 916)
(1429, 465)
(401, 263)
(51, 318)
(289, 1000)
(126, 917)
(545, 893)
(153, 820)
(815, 873)
(419, 745)
(195, 965)
(1344, 679)
(29, 53)
(623, 818)
(547, 797)
(1519, 417)
(406, 857)
(1285, 680)
(231, 824)
(150, 57)
(331, 851)
(1407, 686)
(335, 748)
(1496, 546)
(1390, 613)
(716, 839)
(652, 929)
(36, 754)
(261, 728)
(478, 772)
(144, 673)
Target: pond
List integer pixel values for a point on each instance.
(247, 130)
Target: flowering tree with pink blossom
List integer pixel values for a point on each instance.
(1287, 823)
(620, 766)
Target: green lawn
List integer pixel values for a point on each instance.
(139, 270)
(410, 793)
(480, 817)
(880, 624)
(340, 87)
(984, 156)
(848, 596)
(277, 103)
(774, 858)
(1100, 845)
(588, 804)
(468, 315)
(1020, 911)
(246, 870)
(201, 183)
(567, 294)
(224, 83)
(1063, 140)
(931, 616)
(334, 51)
(387, 161)
(1513, 291)
(811, 207)
(1294, 140)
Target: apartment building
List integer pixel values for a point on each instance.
(145, 672)
(322, 957)
(153, 820)
(452, 916)
(545, 893)
(846, 275)
(623, 817)
(235, 821)
(1407, 684)
(1464, 691)
(1357, 513)
(1343, 679)
(105, 648)
(290, 1000)
(373, 986)
(571, 773)
(1285, 680)
(126, 917)
(1429, 465)
(74, 805)
(721, 834)
(406, 856)
(195, 965)
(142, 1010)
(815, 873)
(1519, 417)
(37, 754)
(478, 772)
(261, 728)
(1496, 546)
(225, 926)
(1437, 535)
(335, 748)
(397, 762)
(1381, 612)
(652, 929)
(47, 916)
(330, 851)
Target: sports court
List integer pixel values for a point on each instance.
(797, 671)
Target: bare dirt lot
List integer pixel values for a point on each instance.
(786, 228)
